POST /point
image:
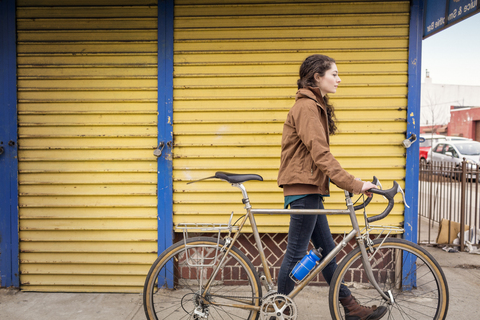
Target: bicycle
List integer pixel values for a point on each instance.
(209, 278)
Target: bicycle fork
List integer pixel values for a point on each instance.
(365, 261)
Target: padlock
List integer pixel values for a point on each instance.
(158, 152)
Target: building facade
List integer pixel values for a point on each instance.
(92, 88)
(438, 100)
(465, 122)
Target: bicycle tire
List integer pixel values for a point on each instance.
(181, 284)
(427, 297)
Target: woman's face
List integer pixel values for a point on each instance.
(329, 82)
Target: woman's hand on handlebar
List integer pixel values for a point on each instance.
(367, 186)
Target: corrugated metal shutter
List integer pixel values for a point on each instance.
(236, 67)
(87, 101)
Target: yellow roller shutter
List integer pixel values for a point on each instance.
(87, 104)
(236, 67)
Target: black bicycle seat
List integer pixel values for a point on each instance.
(237, 178)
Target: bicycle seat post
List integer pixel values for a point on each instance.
(266, 277)
(245, 199)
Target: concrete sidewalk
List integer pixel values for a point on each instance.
(461, 269)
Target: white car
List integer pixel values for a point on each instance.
(427, 140)
(454, 138)
(455, 151)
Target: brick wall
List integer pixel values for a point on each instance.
(274, 246)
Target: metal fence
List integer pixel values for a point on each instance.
(449, 203)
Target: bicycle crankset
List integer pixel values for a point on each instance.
(278, 307)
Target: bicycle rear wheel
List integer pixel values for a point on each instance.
(407, 271)
(176, 281)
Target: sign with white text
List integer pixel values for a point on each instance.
(440, 14)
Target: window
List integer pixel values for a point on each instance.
(469, 149)
(449, 148)
(438, 148)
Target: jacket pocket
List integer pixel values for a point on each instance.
(309, 166)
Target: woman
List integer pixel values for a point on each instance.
(306, 169)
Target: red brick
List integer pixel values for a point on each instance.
(279, 237)
(227, 273)
(235, 273)
(243, 274)
(277, 251)
(249, 247)
(257, 261)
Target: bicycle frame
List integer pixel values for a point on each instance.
(267, 281)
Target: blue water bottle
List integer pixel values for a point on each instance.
(307, 264)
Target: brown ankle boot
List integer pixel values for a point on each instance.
(355, 311)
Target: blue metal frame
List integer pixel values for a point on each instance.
(413, 127)
(165, 127)
(413, 118)
(9, 267)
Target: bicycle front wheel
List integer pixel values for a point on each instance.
(404, 271)
(175, 285)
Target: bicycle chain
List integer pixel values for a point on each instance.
(223, 296)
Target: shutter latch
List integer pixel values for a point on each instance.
(158, 152)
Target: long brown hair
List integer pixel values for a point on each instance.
(313, 64)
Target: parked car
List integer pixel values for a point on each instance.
(455, 151)
(453, 138)
(426, 142)
(429, 140)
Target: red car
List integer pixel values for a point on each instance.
(423, 155)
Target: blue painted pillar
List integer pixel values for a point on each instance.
(9, 267)
(413, 127)
(413, 118)
(165, 120)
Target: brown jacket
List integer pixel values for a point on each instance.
(306, 162)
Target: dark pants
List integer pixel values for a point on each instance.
(304, 228)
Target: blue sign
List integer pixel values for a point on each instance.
(434, 16)
(440, 14)
(458, 9)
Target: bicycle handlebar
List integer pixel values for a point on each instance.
(389, 195)
(363, 205)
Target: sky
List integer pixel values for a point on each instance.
(452, 56)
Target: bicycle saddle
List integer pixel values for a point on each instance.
(237, 178)
(232, 177)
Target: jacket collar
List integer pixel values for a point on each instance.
(311, 93)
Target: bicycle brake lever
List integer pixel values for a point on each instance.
(403, 196)
(378, 184)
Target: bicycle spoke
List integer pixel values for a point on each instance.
(177, 309)
(229, 314)
(186, 279)
(420, 302)
(411, 309)
(402, 312)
